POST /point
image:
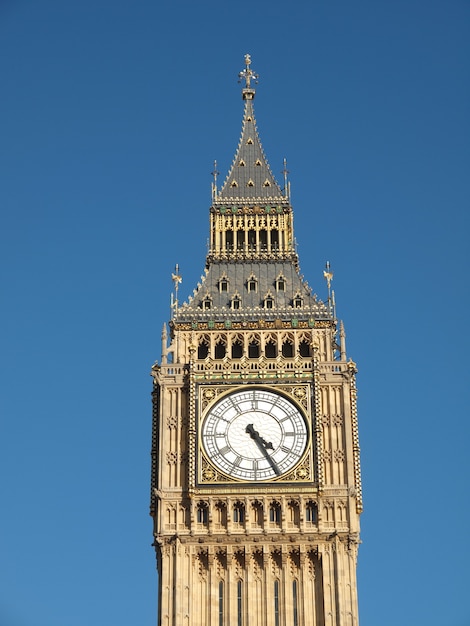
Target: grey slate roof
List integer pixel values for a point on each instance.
(252, 303)
(251, 182)
(250, 177)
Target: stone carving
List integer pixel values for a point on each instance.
(172, 422)
(339, 456)
(172, 458)
(337, 420)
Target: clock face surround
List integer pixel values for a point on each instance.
(254, 434)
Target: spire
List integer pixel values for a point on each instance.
(250, 178)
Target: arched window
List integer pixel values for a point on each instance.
(203, 349)
(221, 515)
(239, 513)
(274, 239)
(293, 514)
(221, 603)
(236, 303)
(276, 603)
(257, 517)
(223, 284)
(253, 349)
(294, 603)
(304, 348)
(252, 284)
(239, 603)
(287, 349)
(270, 349)
(281, 283)
(220, 350)
(263, 239)
(202, 514)
(310, 512)
(275, 513)
(237, 349)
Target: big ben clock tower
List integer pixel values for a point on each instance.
(256, 490)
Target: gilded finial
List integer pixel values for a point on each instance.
(285, 172)
(177, 279)
(328, 275)
(248, 75)
(214, 173)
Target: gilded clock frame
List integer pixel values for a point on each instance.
(299, 394)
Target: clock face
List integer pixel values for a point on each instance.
(254, 434)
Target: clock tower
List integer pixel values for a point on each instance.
(255, 487)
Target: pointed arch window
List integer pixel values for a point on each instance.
(223, 284)
(253, 349)
(270, 349)
(268, 302)
(275, 513)
(287, 349)
(266, 183)
(220, 349)
(239, 603)
(297, 302)
(280, 283)
(237, 349)
(249, 141)
(252, 284)
(234, 183)
(276, 603)
(221, 603)
(250, 183)
(241, 163)
(263, 239)
(207, 303)
(203, 349)
(258, 163)
(202, 514)
(239, 513)
(310, 512)
(294, 603)
(274, 239)
(304, 348)
(236, 303)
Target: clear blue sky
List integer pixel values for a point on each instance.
(112, 113)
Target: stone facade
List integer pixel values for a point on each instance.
(234, 552)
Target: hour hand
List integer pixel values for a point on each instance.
(254, 434)
(263, 445)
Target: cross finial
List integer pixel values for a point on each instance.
(247, 74)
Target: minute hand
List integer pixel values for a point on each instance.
(262, 445)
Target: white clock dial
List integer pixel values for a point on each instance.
(254, 434)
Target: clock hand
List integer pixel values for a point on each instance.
(262, 445)
(255, 435)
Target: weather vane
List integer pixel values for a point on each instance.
(248, 73)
